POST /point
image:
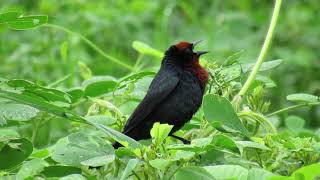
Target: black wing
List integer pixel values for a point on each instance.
(161, 86)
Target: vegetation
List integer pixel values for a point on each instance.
(71, 78)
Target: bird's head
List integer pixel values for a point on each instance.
(184, 52)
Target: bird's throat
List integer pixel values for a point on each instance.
(200, 72)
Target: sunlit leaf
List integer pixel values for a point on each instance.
(146, 49)
(160, 132)
(17, 21)
(31, 168)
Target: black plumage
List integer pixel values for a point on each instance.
(174, 95)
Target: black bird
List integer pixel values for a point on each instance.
(174, 95)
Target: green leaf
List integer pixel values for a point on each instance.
(79, 147)
(102, 119)
(261, 174)
(137, 76)
(99, 85)
(31, 168)
(118, 136)
(8, 17)
(73, 177)
(8, 134)
(264, 67)
(300, 97)
(60, 171)
(159, 133)
(294, 123)
(308, 172)
(64, 51)
(250, 144)
(228, 172)
(76, 94)
(161, 164)
(218, 108)
(43, 153)
(194, 173)
(85, 71)
(224, 142)
(146, 49)
(36, 91)
(130, 167)
(15, 20)
(17, 112)
(233, 58)
(280, 178)
(11, 156)
(99, 161)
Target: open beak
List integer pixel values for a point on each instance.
(199, 53)
(195, 43)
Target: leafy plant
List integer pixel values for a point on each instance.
(64, 129)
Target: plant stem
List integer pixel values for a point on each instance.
(263, 51)
(136, 66)
(292, 107)
(92, 45)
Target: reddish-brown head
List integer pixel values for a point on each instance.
(183, 53)
(183, 45)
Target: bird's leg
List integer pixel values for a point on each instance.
(181, 139)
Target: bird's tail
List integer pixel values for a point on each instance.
(116, 145)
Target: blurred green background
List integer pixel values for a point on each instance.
(227, 26)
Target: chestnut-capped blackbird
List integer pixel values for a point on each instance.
(174, 95)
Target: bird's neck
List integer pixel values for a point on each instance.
(200, 72)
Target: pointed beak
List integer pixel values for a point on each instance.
(199, 53)
(195, 43)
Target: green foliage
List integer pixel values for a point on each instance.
(62, 105)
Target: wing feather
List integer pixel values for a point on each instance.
(161, 86)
